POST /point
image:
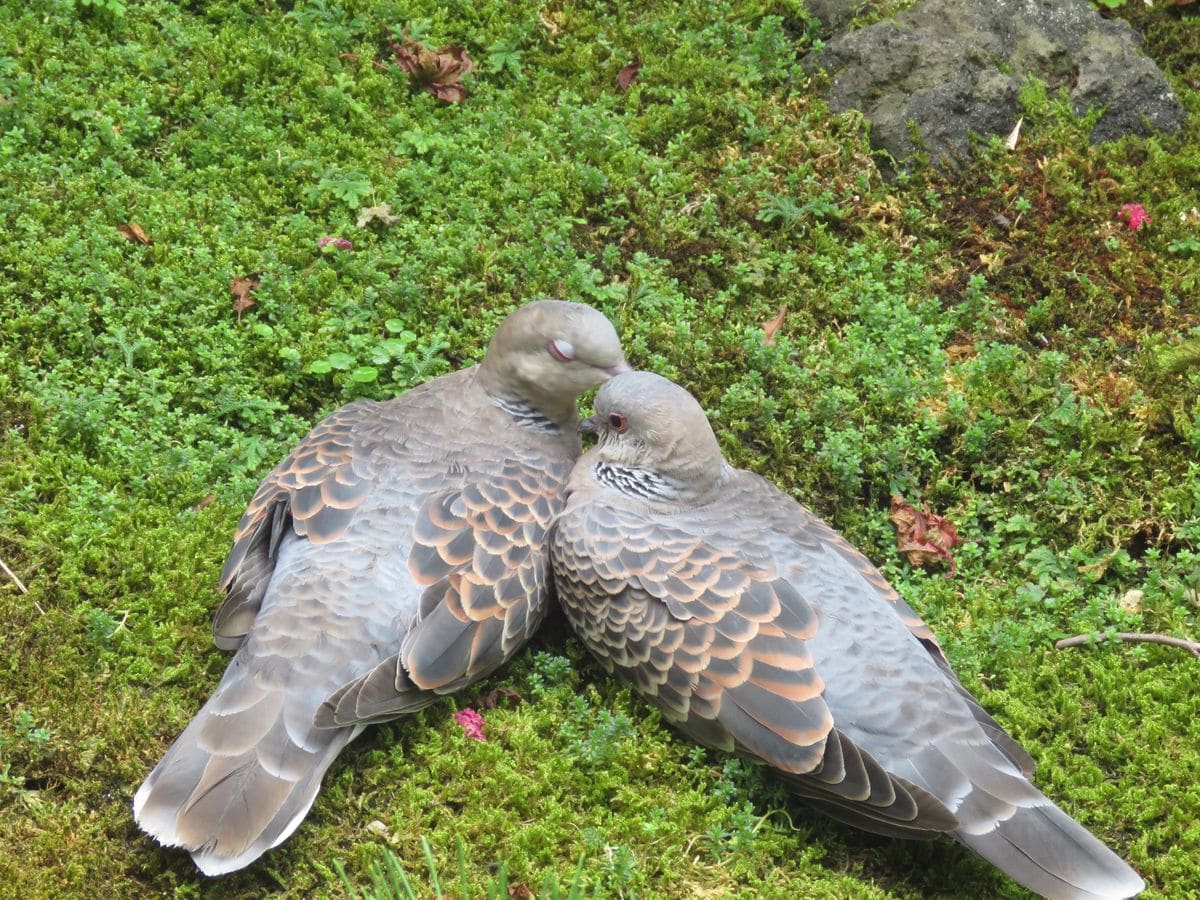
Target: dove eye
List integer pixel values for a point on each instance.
(617, 422)
(561, 350)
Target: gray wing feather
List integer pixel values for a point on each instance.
(480, 553)
(721, 647)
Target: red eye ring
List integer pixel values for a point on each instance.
(617, 422)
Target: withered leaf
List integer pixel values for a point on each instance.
(381, 213)
(241, 288)
(1132, 601)
(501, 696)
(1015, 135)
(628, 75)
(134, 232)
(921, 536)
(521, 892)
(771, 326)
(437, 72)
(549, 23)
(205, 503)
(379, 829)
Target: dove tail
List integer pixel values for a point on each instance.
(241, 777)
(1047, 851)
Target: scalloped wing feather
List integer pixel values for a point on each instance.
(314, 492)
(718, 645)
(480, 551)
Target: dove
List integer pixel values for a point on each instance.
(756, 629)
(397, 554)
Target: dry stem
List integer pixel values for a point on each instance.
(1193, 647)
(13, 575)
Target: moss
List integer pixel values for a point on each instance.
(1017, 377)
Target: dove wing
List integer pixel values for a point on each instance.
(313, 493)
(718, 641)
(479, 552)
(809, 533)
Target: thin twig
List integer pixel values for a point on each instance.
(1192, 647)
(13, 576)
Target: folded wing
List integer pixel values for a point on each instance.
(718, 642)
(314, 493)
(480, 553)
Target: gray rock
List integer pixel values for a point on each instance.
(834, 15)
(953, 67)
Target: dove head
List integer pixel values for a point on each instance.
(549, 352)
(653, 440)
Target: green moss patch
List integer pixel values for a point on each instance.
(1002, 347)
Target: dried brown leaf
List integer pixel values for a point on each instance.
(628, 75)
(134, 232)
(521, 892)
(501, 696)
(242, 287)
(771, 326)
(205, 503)
(922, 536)
(548, 22)
(381, 213)
(437, 72)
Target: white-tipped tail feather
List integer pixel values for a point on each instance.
(240, 779)
(1047, 851)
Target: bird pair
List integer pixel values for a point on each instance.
(406, 549)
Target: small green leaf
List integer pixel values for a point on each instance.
(394, 326)
(364, 374)
(394, 347)
(341, 361)
(320, 366)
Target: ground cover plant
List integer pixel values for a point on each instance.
(1002, 346)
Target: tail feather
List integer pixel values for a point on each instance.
(241, 777)
(1009, 822)
(1045, 850)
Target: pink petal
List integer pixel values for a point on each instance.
(1135, 214)
(471, 722)
(339, 243)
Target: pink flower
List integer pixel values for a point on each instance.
(471, 722)
(338, 243)
(1135, 214)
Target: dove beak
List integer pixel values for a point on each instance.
(590, 425)
(620, 367)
